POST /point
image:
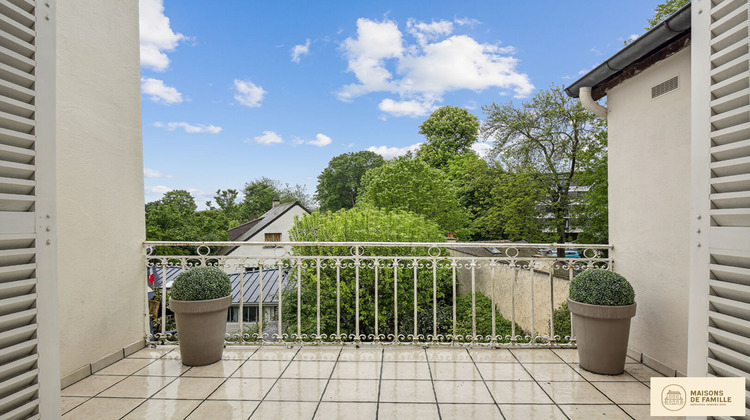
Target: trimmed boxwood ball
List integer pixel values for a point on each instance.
(201, 283)
(601, 287)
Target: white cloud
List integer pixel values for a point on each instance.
(189, 128)
(424, 32)
(471, 22)
(392, 152)
(159, 92)
(421, 73)
(248, 93)
(153, 173)
(405, 108)
(268, 137)
(321, 140)
(156, 189)
(156, 35)
(482, 149)
(633, 37)
(300, 50)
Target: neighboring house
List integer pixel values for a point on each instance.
(251, 292)
(678, 112)
(273, 226)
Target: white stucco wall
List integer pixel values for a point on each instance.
(100, 218)
(280, 225)
(649, 205)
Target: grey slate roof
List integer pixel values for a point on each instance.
(250, 288)
(249, 229)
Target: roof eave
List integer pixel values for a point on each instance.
(660, 35)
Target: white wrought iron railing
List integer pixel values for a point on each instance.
(454, 293)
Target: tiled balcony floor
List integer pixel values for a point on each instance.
(359, 383)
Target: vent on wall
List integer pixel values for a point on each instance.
(664, 87)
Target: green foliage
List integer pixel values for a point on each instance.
(174, 218)
(340, 181)
(411, 185)
(363, 224)
(551, 136)
(561, 319)
(592, 214)
(450, 131)
(511, 208)
(259, 195)
(664, 10)
(483, 306)
(601, 287)
(201, 283)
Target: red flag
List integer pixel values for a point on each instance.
(150, 276)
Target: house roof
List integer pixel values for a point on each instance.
(661, 41)
(255, 226)
(250, 288)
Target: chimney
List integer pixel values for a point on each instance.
(450, 237)
(275, 202)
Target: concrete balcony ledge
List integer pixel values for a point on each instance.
(311, 382)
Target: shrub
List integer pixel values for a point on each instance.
(562, 322)
(201, 283)
(601, 287)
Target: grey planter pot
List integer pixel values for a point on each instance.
(201, 327)
(601, 336)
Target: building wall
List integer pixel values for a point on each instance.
(649, 207)
(99, 184)
(280, 225)
(517, 305)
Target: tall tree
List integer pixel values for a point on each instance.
(412, 185)
(551, 135)
(450, 131)
(260, 192)
(340, 181)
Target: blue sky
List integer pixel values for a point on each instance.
(236, 90)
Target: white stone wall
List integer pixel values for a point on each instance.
(649, 206)
(506, 288)
(99, 182)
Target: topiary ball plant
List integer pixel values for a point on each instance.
(601, 287)
(201, 283)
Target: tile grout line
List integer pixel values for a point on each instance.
(595, 387)
(151, 397)
(432, 382)
(380, 382)
(540, 386)
(485, 385)
(121, 380)
(274, 383)
(330, 375)
(226, 378)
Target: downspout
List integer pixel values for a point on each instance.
(584, 94)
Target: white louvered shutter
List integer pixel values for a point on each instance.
(19, 385)
(729, 210)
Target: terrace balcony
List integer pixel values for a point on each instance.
(459, 360)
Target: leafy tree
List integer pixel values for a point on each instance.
(551, 136)
(450, 131)
(664, 10)
(259, 195)
(363, 224)
(511, 209)
(174, 218)
(412, 185)
(592, 213)
(340, 181)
